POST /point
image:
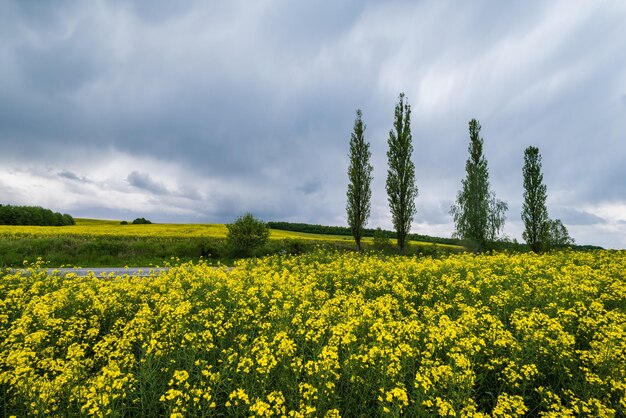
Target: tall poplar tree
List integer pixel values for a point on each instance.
(478, 215)
(360, 179)
(401, 188)
(534, 210)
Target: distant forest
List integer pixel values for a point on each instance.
(367, 232)
(33, 215)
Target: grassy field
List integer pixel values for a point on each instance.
(102, 243)
(323, 334)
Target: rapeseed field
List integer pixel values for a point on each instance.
(95, 228)
(323, 334)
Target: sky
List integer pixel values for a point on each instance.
(199, 111)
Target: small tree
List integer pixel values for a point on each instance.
(360, 177)
(401, 188)
(478, 215)
(534, 211)
(556, 234)
(246, 234)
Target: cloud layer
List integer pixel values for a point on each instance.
(197, 111)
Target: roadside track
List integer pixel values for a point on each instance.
(102, 271)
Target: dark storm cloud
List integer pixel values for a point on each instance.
(76, 88)
(250, 105)
(144, 181)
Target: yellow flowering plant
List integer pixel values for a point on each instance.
(323, 334)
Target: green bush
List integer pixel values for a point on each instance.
(141, 221)
(246, 234)
(213, 248)
(381, 240)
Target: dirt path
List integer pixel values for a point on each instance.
(106, 271)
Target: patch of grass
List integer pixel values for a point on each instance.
(105, 251)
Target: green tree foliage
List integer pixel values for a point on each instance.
(360, 178)
(534, 210)
(312, 228)
(141, 221)
(246, 234)
(556, 234)
(540, 233)
(478, 215)
(381, 240)
(33, 215)
(342, 230)
(401, 188)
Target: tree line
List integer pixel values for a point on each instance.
(347, 231)
(478, 215)
(33, 215)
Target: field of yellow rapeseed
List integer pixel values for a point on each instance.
(323, 334)
(97, 228)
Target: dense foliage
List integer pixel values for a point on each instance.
(380, 240)
(141, 221)
(316, 229)
(534, 210)
(401, 187)
(478, 215)
(32, 215)
(359, 194)
(323, 335)
(557, 235)
(246, 234)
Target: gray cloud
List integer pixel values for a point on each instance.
(245, 104)
(73, 176)
(144, 181)
(577, 217)
(310, 187)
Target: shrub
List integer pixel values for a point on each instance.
(140, 221)
(124, 223)
(246, 234)
(213, 248)
(381, 240)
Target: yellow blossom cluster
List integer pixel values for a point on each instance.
(322, 334)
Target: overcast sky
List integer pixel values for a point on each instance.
(194, 111)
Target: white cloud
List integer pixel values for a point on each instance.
(613, 212)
